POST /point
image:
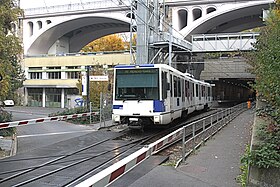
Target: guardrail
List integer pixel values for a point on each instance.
(210, 125)
(223, 42)
(110, 174)
(78, 54)
(78, 7)
(179, 42)
(47, 119)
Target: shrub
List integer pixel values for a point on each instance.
(78, 110)
(5, 117)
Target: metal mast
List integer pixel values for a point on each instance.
(154, 45)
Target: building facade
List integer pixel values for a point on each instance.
(51, 81)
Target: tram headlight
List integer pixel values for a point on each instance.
(156, 119)
(116, 118)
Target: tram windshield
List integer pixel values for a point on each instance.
(137, 84)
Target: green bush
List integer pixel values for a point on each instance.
(5, 117)
(266, 63)
(265, 60)
(78, 110)
(267, 153)
(242, 178)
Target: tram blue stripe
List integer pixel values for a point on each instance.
(117, 106)
(158, 106)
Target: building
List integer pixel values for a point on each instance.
(51, 81)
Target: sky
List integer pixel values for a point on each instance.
(24, 4)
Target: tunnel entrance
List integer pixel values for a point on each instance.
(232, 91)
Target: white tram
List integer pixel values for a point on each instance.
(156, 94)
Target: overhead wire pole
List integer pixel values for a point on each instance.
(131, 25)
(88, 67)
(150, 33)
(142, 32)
(170, 46)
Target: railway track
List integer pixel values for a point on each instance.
(63, 169)
(156, 133)
(70, 168)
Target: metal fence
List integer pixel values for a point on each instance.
(94, 5)
(223, 42)
(196, 133)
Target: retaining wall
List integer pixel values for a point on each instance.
(261, 177)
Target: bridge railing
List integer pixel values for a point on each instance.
(77, 7)
(223, 42)
(78, 54)
(184, 43)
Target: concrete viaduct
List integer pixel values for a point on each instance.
(67, 28)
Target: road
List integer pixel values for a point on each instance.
(31, 137)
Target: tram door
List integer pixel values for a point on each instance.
(171, 96)
(165, 90)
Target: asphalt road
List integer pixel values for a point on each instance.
(31, 137)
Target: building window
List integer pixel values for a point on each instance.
(55, 74)
(53, 97)
(35, 96)
(33, 73)
(73, 75)
(73, 72)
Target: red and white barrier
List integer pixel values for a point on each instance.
(115, 171)
(156, 146)
(47, 119)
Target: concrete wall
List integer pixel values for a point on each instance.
(262, 177)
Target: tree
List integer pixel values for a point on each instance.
(106, 43)
(266, 61)
(97, 87)
(10, 51)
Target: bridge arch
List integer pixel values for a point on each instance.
(69, 36)
(223, 18)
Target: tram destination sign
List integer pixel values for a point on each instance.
(140, 71)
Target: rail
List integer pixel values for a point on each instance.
(110, 174)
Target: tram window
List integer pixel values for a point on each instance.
(183, 90)
(171, 86)
(203, 91)
(193, 89)
(186, 88)
(179, 87)
(175, 79)
(199, 92)
(196, 90)
(164, 85)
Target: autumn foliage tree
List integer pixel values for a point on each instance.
(97, 87)
(106, 43)
(10, 51)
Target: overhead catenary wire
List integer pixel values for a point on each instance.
(155, 29)
(146, 7)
